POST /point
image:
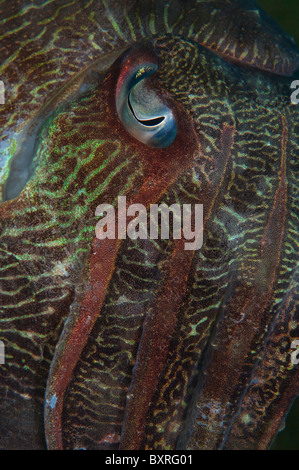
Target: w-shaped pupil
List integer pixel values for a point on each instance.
(147, 122)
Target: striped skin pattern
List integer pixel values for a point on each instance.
(140, 344)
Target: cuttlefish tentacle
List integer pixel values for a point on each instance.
(160, 321)
(245, 313)
(269, 390)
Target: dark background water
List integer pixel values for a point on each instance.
(286, 13)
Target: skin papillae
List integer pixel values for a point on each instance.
(141, 344)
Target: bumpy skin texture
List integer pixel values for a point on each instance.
(142, 344)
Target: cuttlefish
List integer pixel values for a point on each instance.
(139, 343)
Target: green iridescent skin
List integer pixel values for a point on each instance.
(161, 348)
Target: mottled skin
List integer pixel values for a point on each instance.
(162, 348)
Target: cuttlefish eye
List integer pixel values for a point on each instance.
(142, 110)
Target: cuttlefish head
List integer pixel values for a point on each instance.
(139, 342)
